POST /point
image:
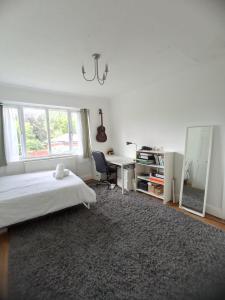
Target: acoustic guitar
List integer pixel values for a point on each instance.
(101, 135)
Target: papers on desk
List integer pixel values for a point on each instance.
(119, 160)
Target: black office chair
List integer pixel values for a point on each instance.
(104, 168)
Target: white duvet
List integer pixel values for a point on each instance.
(31, 195)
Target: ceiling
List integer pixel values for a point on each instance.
(44, 42)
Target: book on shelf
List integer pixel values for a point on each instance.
(159, 175)
(145, 156)
(144, 151)
(156, 159)
(161, 160)
(152, 179)
(156, 180)
(144, 161)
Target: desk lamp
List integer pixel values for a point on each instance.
(131, 143)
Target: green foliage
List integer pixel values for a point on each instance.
(58, 123)
(36, 128)
(36, 133)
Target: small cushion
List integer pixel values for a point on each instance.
(59, 173)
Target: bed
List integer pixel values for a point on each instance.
(26, 196)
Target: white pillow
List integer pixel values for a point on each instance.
(59, 173)
(66, 173)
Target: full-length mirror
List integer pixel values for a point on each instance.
(196, 169)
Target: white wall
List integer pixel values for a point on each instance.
(158, 114)
(82, 166)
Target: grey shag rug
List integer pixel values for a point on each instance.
(124, 247)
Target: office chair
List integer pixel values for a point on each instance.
(103, 167)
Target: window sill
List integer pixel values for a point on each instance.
(49, 157)
(45, 158)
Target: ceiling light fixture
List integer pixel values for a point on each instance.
(101, 81)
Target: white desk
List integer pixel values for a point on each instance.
(121, 162)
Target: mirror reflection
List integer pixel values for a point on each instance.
(198, 141)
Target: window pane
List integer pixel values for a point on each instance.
(58, 121)
(76, 133)
(36, 132)
(12, 133)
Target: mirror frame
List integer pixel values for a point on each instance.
(207, 172)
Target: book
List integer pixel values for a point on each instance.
(161, 160)
(143, 157)
(159, 175)
(156, 180)
(144, 161)
(156, 159)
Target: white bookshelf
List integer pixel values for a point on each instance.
(166, 169)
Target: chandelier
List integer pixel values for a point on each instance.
(101, 81)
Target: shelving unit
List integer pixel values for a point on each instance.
(149, 180)
(151, 194)
(143, 170)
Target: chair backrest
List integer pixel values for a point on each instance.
(100, 162)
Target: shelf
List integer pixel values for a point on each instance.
(151, 194)
(149, 180)
(143, 169)
(152, 166)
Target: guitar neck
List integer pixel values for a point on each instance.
(101, 114)
(101, 120)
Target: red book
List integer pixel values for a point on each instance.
(156, 180)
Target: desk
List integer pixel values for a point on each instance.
(121, 162)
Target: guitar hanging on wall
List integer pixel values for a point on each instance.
(101, 135)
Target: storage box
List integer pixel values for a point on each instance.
(159, 190)
(151, 187)
(155, 188)
(143, 185)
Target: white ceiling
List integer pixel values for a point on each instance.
(43, 43)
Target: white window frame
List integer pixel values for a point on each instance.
(20, 109)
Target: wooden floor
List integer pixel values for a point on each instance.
(4, 250)
(4, 246)
(209, 219)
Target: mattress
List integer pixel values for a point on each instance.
(31, 195)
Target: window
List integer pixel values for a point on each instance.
(12, 134)
(76, 133)
(37, 132)
(36, 135)
(59, 131)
